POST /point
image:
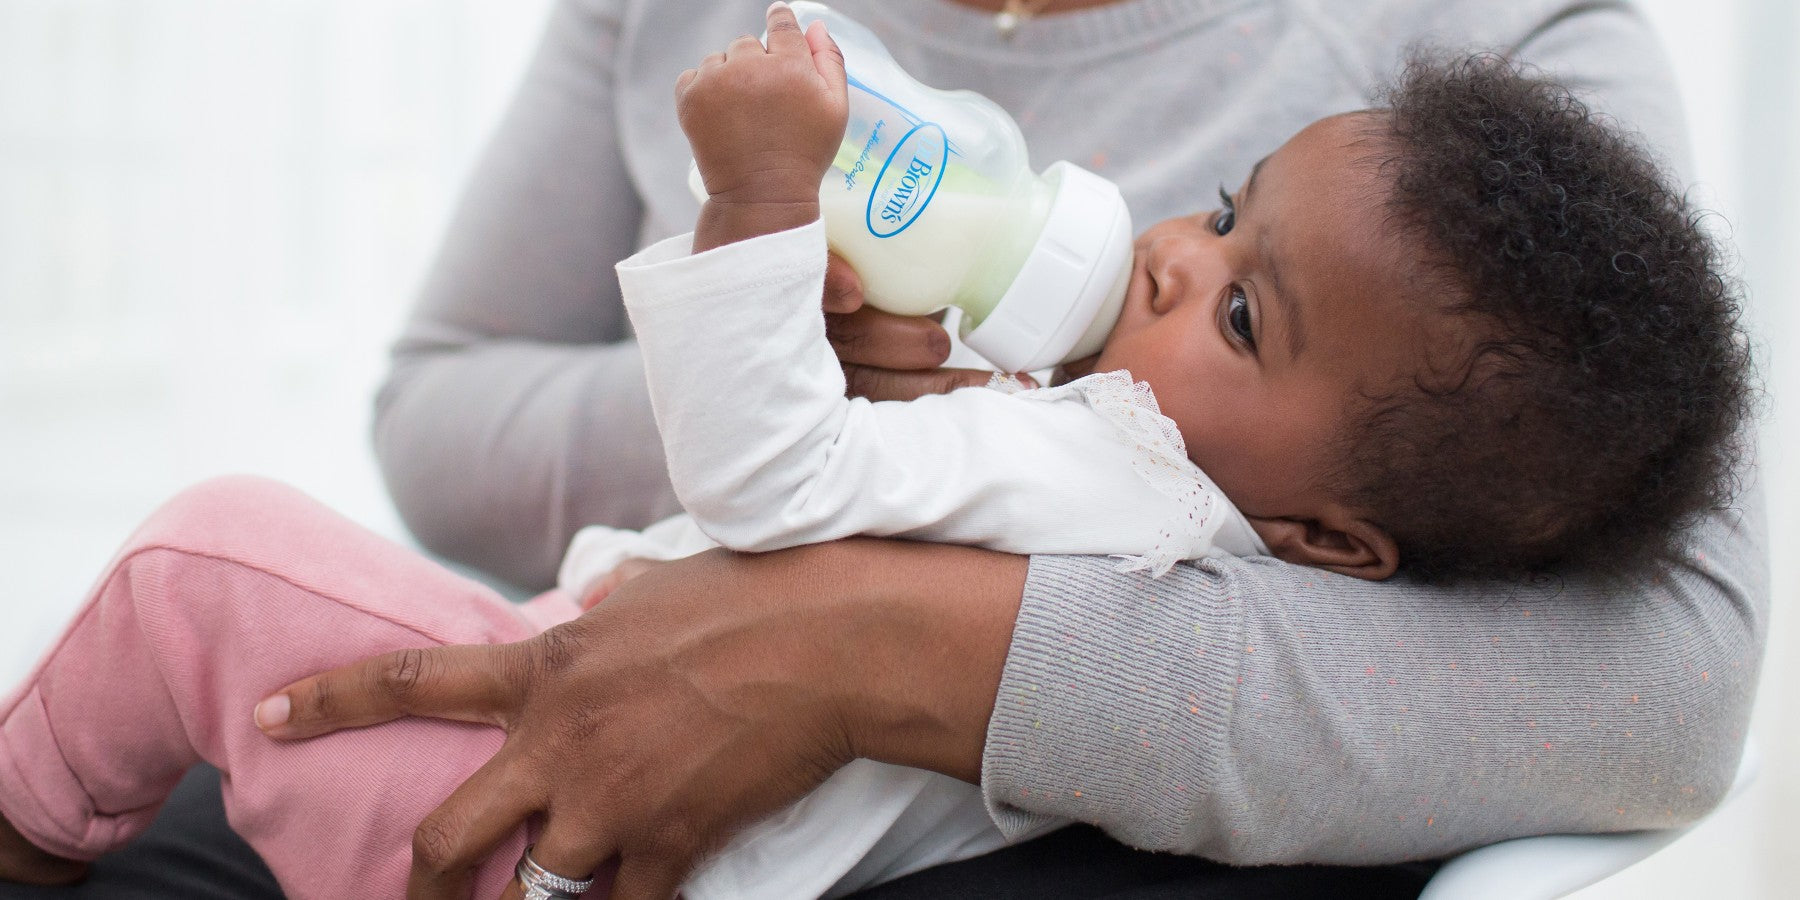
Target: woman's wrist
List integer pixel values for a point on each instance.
(918, 645)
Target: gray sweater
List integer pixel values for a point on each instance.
(1244, 710)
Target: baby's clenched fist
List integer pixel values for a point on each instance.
(765, 123)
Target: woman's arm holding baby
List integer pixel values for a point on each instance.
(1244, 710)
(701, 695)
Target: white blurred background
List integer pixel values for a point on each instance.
(213, 214)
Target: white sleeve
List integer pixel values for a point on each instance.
(598, 549)
(765, 451)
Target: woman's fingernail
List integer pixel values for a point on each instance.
(273, 711)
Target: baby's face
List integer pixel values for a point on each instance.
(1257, 323)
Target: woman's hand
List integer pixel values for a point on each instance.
(703, 694)
(885, 356)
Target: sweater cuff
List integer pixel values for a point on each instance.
(1114, 703)
(670, 272)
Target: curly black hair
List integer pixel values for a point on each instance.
(1604, 403)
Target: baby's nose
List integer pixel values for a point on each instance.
(1181, 264)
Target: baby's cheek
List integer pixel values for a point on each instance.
(1268, 470)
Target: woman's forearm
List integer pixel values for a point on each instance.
(894, 647)
(919, 644)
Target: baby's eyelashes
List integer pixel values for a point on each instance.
(1237, 317)
(1226, 217)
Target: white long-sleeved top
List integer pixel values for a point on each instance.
(766, 452)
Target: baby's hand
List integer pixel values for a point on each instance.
(623, 572)
(765, 124)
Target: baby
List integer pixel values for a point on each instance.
(1468, 333)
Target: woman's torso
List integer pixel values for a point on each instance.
(1167, 98)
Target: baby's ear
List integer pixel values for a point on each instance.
(1338, 540)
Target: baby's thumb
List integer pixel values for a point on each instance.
(827, 58)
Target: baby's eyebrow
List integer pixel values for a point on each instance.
(1290, 310)
(1251, 184)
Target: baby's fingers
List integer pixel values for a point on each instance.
(744, 45)
(827, 58)
(784, 30)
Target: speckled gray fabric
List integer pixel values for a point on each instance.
(1245, 710)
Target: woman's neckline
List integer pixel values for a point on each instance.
(1051, 37)
(1051, 7)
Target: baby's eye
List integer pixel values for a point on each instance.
(1226, 216)
(1237, 315)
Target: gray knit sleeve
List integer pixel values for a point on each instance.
(1256, 712)
(515, 410)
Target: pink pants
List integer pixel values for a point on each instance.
(232, 590)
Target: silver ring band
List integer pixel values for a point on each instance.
(542, 884)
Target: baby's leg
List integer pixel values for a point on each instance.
(230, 591)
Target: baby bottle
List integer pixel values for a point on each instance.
(932, 201)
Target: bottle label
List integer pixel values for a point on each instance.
(862, 159)
(908, 180)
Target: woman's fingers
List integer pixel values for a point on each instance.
(871, 337)
(459, 836)
(887, 356)
(648, 876)
(893, 384)
(575, 846)
(843, 287)
(466, 683)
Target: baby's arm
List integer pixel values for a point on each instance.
(765, 451)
